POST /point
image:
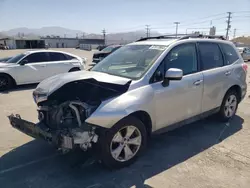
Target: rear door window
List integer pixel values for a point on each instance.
(56, 56)
(211, 56)
(229, 53)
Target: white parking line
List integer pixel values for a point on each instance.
(26, 164)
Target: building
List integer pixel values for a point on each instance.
(22, 42)
(93, 43)
(212, 31)
(58, 42)
(52, 42)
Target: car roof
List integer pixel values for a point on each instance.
(36, 51)
(167, 42)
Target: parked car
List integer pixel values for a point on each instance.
(35, 66)
(245, 53)
(4, 59)
(98, 56)
(145, 87)
(3, 47)
(101, 47)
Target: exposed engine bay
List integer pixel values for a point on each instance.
(64, 103)
(67, 119)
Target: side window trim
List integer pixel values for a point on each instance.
(201, 62)
(163, 61)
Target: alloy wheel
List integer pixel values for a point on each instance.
(126, 143)
(230, 106)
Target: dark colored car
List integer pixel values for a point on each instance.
(98, 56)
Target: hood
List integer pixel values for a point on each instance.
(3, 64)
(49, 85)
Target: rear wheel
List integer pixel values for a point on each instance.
(5, 82)
(229, 105)
(123, 143)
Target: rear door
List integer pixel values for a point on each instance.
(59, 63)
(217, 71)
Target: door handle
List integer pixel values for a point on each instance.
(42, 65)
(227, 73)
(198, 82)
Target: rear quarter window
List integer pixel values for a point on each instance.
(230, 54)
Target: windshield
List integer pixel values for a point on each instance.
(15, 59)
(108, 49)
(131, 61)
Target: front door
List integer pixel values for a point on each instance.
(181, 99)
(34, 69)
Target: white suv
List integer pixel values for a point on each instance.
(35, 66)
(145, 87)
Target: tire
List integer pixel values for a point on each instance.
(5, 82)
(225, 114)
(74, 69)
(108, 142)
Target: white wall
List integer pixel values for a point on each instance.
(68, 43)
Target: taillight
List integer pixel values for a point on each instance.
(244, 66)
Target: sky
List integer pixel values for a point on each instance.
(92, 16)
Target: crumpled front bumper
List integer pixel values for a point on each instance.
(59, 139)
(40, 130)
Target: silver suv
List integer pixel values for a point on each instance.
(145, 87)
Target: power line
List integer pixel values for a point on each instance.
(228, 23)
(176, 27)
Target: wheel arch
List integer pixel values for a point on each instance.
(145, 118)
(74, 69)
(8, 75)
(236, 88)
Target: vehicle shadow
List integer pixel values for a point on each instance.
(164, 151)
(20, 88)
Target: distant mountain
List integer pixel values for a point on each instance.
(44, 31)
(112, 38)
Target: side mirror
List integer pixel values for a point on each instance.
(172, 74)
(23, 62)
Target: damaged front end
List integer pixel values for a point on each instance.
(61, 125)
(62, 113)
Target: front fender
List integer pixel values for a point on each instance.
(113, 110)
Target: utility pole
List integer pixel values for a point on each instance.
(234, 32)
(228, 23)
(147, 31)
(176, 28)
(104, 35)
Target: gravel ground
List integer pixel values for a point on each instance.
(202, 154)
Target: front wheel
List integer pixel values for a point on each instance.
(5, 82)
(229, 105)
(123, 143)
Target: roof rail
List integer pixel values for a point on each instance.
(183, 36)
(172, 36)
(203, 36)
